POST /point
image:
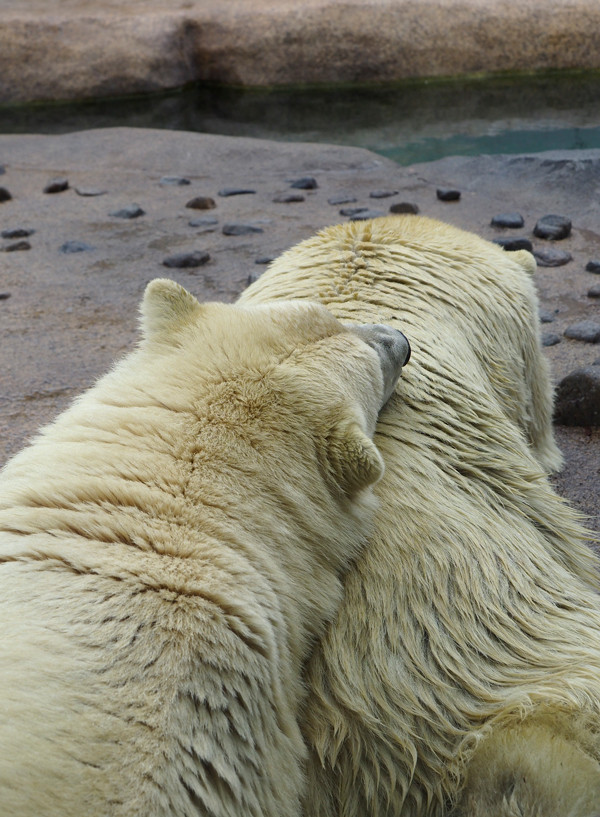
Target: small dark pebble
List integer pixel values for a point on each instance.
(513, 221)
(204, 225)
(251, 279)
(447, 194)
(17, 232)
(5, 194)
(76, 246)
(57, 185)
(241, 229)
(578, 398)
(587, 331)
(288, 198)
(382, 194)
(88, 192)
(4, 296)
(177, 181)
(367, 215)
(552, 227)
(2, 170)
(594, 292)
(341, 199)
(404, 207)
(514, 243)
(186, 260)
(546, 316)
(201, 203)
(305, 183)
(236, 191)
(352, 211)
(551, 257)
(131, 211)
(593, 266)
(18, 246)
(204, 221)
(265, 259)
(550, 339)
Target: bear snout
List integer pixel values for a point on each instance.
(393, 349)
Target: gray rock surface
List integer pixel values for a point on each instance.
(65, 317)
(87, 48)
(578, 398)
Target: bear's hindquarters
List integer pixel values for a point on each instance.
(531, 770)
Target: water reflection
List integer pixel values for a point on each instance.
(409, 122)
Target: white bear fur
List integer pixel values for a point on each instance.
(169, 548)
(462, 671)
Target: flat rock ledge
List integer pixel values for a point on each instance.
(77, 49)
(74, 270)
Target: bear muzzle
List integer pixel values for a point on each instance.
(393, 349)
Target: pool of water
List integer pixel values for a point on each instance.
(409, 122)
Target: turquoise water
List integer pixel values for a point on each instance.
(408, 122)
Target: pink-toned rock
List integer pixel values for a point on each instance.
(70, 49)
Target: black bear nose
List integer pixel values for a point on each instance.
(408, 350)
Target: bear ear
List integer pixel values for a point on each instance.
(352, 458)
(526, 260)
(166, 307)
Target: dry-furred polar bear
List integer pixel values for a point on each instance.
(462, 669)
(169, 547)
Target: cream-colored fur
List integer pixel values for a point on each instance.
(462, 670)
(169, 549)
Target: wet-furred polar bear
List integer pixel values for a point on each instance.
(462, 670)
(169, 547)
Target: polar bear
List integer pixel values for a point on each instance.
(461, 674)
(169, 549)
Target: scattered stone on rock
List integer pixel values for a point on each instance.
(382, 194)
(17, 232)
(186, 260)
(4, 194)
(18, 246)
(305, 183)
(89, 192)
(404, 207)
(514, 243)
(177, 181)
(594, 292)
(513, 221)
(551, 257)
(76, 246)
(578, 398)
(367, 215)
(587, 331)
(201, 203)
(553, 228)
(241, 229)
(288, 198)
(4, 296)
(204, 225)
(550, 339)
(352, 211)
(546, 316)
(236, 191)
(204, 221)
(343, 198)
(130, 211)
(447, 194)
(593, 266)
(265, 259)
(2, 170)
(57, 185)
(251, 279)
